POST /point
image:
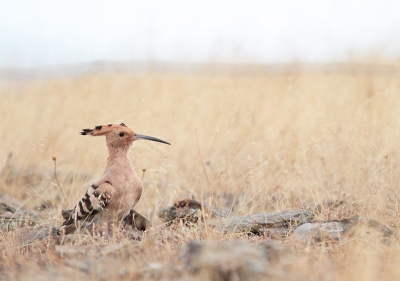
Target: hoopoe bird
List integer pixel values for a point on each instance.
(111, 198)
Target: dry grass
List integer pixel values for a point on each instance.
(255, 143)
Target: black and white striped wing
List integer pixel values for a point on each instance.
(93, 202)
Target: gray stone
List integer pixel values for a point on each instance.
(231, 260)
(338, 230)
(261, 223)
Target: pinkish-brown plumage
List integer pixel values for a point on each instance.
(112, 197)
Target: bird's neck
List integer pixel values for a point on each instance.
(118, 155)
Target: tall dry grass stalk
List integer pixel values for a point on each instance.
(249, 143)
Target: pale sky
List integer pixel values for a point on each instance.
(51, 33)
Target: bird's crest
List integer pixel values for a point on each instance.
(102, 130)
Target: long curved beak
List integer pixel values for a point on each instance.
(143, 137)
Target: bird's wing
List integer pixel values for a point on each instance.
(95, 200)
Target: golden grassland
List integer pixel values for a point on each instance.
(271, 142)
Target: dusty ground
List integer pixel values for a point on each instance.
(252, 143)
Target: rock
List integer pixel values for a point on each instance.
(229, 260)
(383, 229)
(273, 222)
(12, 221)
(28, 236)
(136, 220)
(225, 261)
(91, 250)
(275, 252)
(13, 215)
(9, 204)
(318, 232)
(188, 210)
(338, 230)
(98, 251)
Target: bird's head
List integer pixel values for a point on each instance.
(118, 134)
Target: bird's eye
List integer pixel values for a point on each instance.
(121, 134)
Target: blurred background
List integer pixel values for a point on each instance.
(61, 37)
(259, 88)
(268, 105)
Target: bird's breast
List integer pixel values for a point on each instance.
(128, 189)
